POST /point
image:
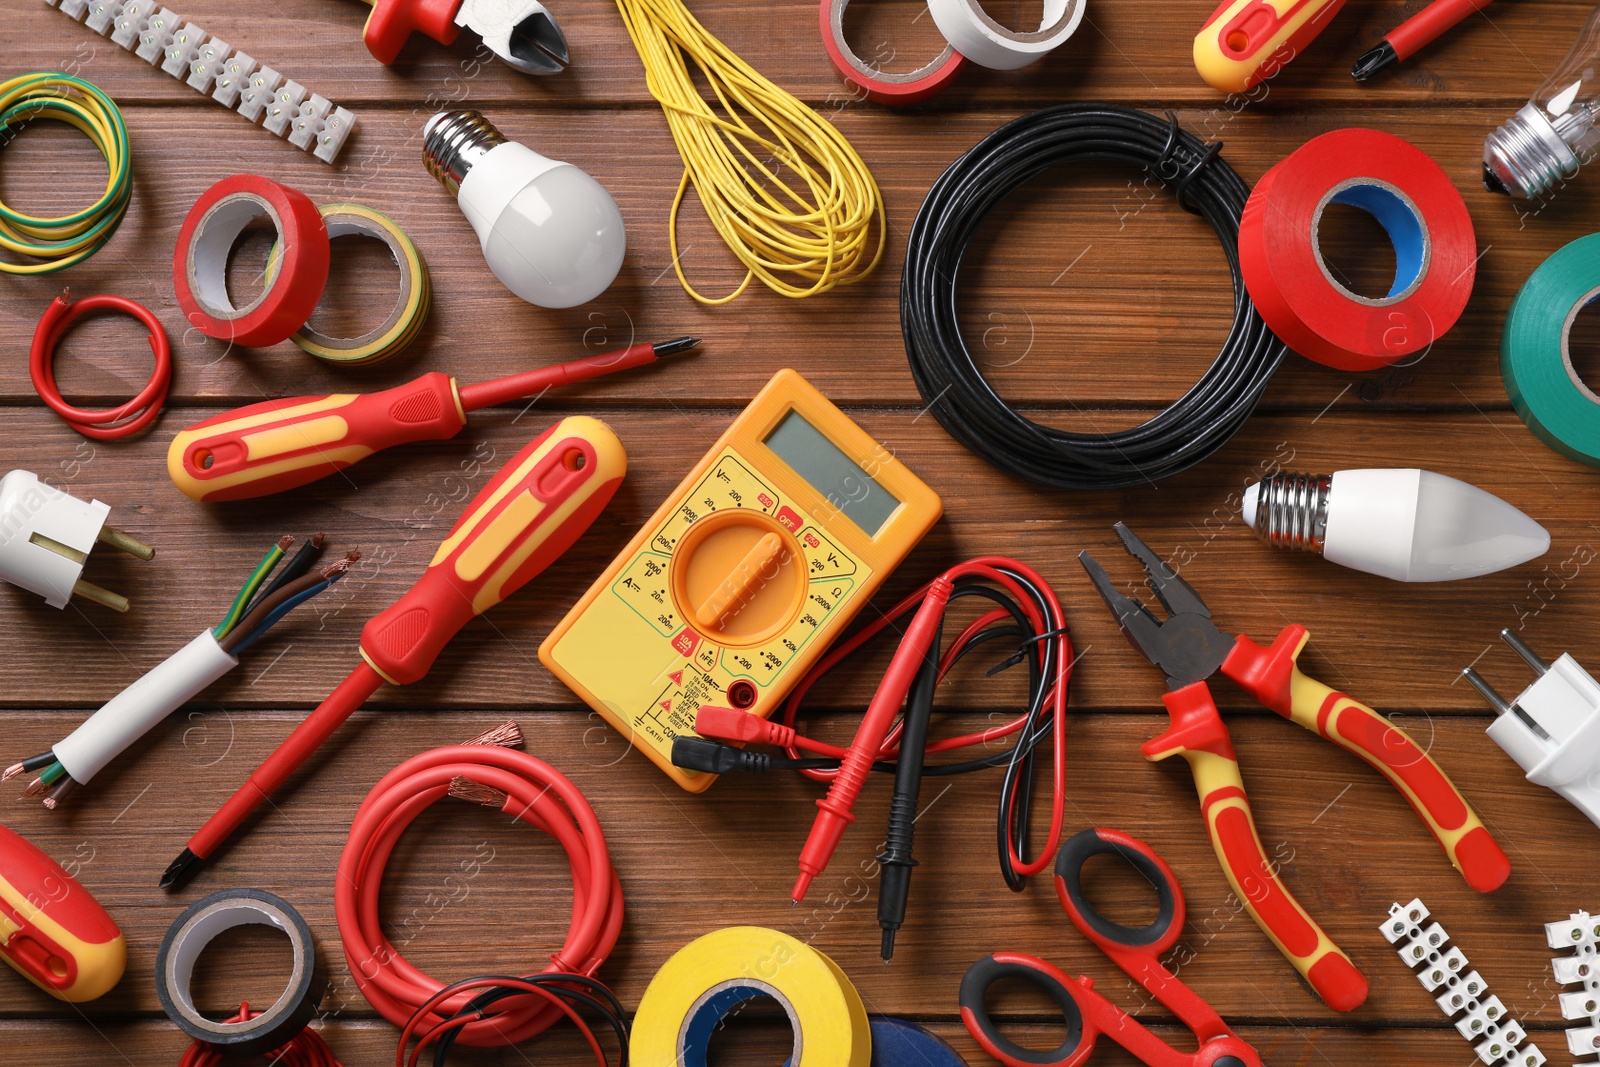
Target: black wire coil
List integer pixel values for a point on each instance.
(1194, 426)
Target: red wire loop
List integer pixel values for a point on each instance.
(306, 1050)
(537, 794)
(102, 424)
(1054, 622)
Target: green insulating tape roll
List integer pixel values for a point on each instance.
(1535, 362)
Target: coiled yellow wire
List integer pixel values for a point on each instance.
(801, 233)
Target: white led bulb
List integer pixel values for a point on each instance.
(1410, 525)
(549, 231)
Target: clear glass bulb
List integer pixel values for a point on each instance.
(1555, 132)
(550, 232)
(1409, 525)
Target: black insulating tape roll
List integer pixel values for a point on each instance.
(197, 927)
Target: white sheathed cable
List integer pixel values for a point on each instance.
(161, 37)
(134, 711)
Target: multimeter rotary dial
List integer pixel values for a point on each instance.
(738, 577)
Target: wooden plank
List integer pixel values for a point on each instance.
(469, 892)
(396, 507)
(1119, 52)
(365, 1042)
(1089, 290)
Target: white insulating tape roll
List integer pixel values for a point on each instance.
(127, 716)
(981, 39)
(708, 978)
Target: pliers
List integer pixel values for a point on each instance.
(1189, 648)
(521, 33)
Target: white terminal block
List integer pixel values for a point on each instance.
(1579, 935)
(184, 50)
(1443, 971)
(130, 714)
(1552, 728)
(45, 535)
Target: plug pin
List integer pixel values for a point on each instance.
(114, 537)
(99, 595)
(1539, 666)
(1496, 701)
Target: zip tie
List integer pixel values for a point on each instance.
(1457, 990)
(212, 66)
(1580, 933)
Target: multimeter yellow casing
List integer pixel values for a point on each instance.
(745, 574)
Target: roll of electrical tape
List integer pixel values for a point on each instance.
(1536, 361)
(981, 39)
(196, 928)
(705, 980)
(895, 90)
(1291, 283)
(410, 307)
(897, 1043)
(200, 267)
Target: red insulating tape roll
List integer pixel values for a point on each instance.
(895, 90)
(200, 267)
(1296, 291)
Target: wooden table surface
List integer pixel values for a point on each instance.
(1094, 301)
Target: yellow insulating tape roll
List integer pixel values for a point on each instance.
(706, 979)
(410, 307)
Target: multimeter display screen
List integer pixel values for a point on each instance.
(832, 473)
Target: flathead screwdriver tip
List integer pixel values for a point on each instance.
(179, 870)
(674, 346)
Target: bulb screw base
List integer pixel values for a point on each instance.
(1526, 156)
(453, 141)
(1292, 511)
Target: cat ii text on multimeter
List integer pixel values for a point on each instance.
(744, 575)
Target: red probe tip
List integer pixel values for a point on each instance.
(801, 884)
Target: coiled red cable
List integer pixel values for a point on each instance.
(102, 424)
(537, 794)
(306, 1050)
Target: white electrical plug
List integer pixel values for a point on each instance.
(1552, 728)
(46, 535)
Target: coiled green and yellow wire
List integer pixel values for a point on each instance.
(60, 242)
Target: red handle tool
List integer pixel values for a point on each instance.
(527, 516)
(283, 444)
(1137, 950)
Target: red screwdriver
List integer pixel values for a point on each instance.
(283, 444)
(527, 516)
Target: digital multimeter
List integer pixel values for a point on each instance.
(745, 575)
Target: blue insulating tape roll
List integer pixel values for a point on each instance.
(897, 1043)
(1535, 361)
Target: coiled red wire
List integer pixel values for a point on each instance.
(537, 794)
(102, 424)
(1050, 623)
(306, 1050)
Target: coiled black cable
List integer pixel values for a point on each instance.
(1195, 425)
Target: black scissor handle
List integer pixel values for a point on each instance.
(975, 1015)
(1077, 850)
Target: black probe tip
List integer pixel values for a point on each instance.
(674, 346)
(1373, 61)
(179, 870)
(887, 951)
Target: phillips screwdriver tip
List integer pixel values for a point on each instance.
(179, 870)
(674, 346)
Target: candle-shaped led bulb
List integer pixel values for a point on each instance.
(1410, 525)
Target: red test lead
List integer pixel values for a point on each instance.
(837, 807)
(520, 523)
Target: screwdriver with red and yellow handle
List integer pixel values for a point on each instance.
(283, 444)
(527, 516)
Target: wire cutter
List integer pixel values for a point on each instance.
(1189, 648)
(1137, 950)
